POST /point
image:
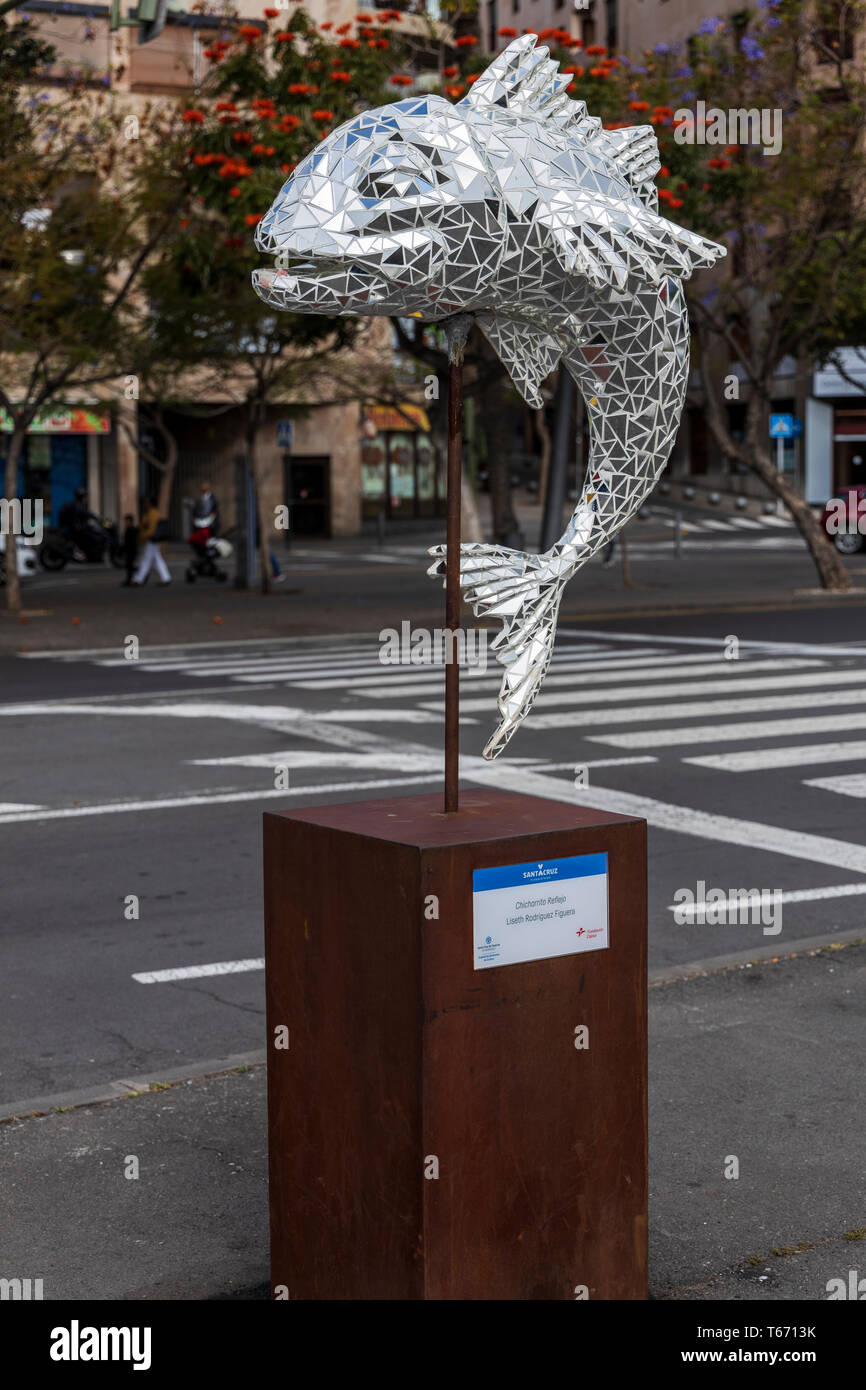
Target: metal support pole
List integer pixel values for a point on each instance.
(456, 332)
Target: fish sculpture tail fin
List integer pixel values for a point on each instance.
(524, 591)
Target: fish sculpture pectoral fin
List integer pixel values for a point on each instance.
(525, 593)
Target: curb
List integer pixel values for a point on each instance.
(38, 1106)
(739, 960)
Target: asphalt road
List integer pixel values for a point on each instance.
(147, 779)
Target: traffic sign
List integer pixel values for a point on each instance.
(781, 426)
(285, 434)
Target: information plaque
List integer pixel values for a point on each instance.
(555, 907)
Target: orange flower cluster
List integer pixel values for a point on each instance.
(638, 106)
(193, 117)
(253, 217)
(467, 41)
(560, 36)
(284, 37)
(205, 159)
(299, 89)
(472, 77)
(271, 14)
(341, 77)
(506, 32)
(400, 80)
(597, 49)
(322, 116)
(717, 163)
(218, 50)
(661, 115)
(264, 108)
(342, 29)
(242, 137)
(249, 33)
(289, 122)
(665, 196)
(263, 150)
(329, 25)
(350, 43)
(233, 168)
(455, 91)
(450, 72)
(225, 106)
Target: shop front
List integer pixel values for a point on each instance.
(60, 455)
(399, 478)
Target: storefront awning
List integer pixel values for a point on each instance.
(388, 417)
(72, 419)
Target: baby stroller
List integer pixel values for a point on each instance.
(207, 549)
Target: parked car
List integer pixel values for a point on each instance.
(844, 519)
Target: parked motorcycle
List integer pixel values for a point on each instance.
(89, 546)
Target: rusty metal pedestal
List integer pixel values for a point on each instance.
(404, 1061)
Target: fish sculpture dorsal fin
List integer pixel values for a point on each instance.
(525, 80)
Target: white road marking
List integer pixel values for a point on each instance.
(733, 681)
(7, 807)
(566, 673)
(597, 762)
(764, 759)
(799, 895)
(195, 972)
(200, 709)
(682, 820)
(846, 784)
(727, 733)
(378, 760)
(171, 803)
(793, 648)
(630, 714)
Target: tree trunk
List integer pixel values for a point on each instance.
(470, 521)
(557, 480)
(828, 561)
(254, 421)
(831, 569)
(168, 468)
(506, 530)
(13, 582)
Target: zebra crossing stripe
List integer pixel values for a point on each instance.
(695, 709)
(714, 687)
(726, 733)
(681, 820)
(766, 759)
(847, 784)
(562, 672)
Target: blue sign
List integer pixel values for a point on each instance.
(285, 434)
(781, 426)
(536, 874)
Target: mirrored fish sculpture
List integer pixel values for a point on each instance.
(517, 207)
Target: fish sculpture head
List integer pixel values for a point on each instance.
(377, 218)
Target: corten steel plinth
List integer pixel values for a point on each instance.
(401, 1052)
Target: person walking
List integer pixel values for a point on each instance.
(129, 546)
(149, 536)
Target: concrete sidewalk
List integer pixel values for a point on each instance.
(90, 609)
(762, 1063)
